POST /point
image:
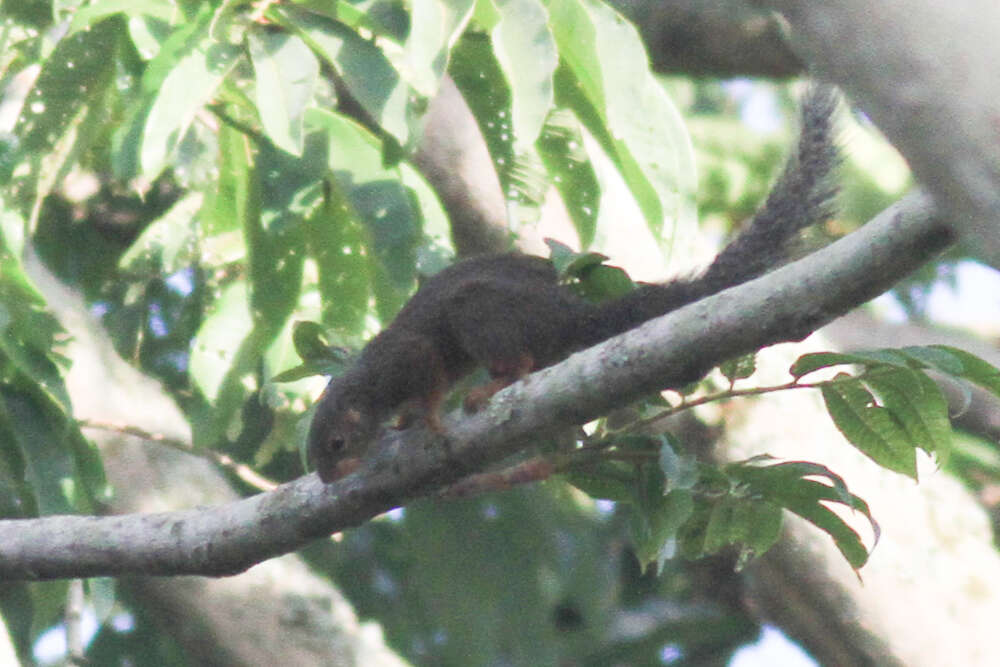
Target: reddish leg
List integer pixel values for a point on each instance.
(432, 409)
(503, 374)
(428, 405)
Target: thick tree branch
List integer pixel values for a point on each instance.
(298, 617)
(722, 38)
(785, 305)
(925, 72)
(452, 156)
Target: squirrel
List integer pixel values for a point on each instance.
(509, 313)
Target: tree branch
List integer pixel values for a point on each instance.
(722, 38)
(298, 618)
(925, 72)
(452, 156)
(784, 305)
(246, 474)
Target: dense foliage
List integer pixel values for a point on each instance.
(210, 174)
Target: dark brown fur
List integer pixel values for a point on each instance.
(509, 314)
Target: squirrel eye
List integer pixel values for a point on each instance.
(336, 444)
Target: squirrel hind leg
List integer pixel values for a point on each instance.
(426, 409)
(432, 408)
(426, 406)
(504, 374)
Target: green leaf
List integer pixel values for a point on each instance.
(249, 316)
(219, 225)
(35, 13)
(911, 408)
(603, 282)
(383, 203)
(280, 355)
(869, 427)
(75, 76)
(562, 256)
(30, 351)
(939, 357)
(126, 141)
(562, 152)
(777, 479)
(394, 232)
(297, 373)
(214, 349)
(755, 525)
(27, 331)
(16, 497)
(654, 526)
(973, 368)
(63, 115)
(582, 263)
(434, 26)
(241, 377)
(12, 240)
(333, 364)
(601, 486)
(373, 223)
(477, 74)
(526, 51)
(309, 340)
(93, 491)
(86, 17)
(366, 72)
(604, 77)
(814, 361)
(42, 433)
(274, 237)
(917, 404)
(165, 240)
(18, 608)
(912, 401)
(789, 485)
(809, 507)
(739, 368)
(490, 92)
(382, 18)
(335, 238)
(721, 530)
(976, 453)
(569, 263)
(194, 70)
(680, 472)
(286, 72)
(760, 523)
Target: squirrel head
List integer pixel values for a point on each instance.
(341, 428)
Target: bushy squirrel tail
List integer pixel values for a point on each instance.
(802, 196)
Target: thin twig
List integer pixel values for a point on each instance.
(241, 470)
(540, 468)
(74, 620)
(726, 395)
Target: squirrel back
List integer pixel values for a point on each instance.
(508, 312)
